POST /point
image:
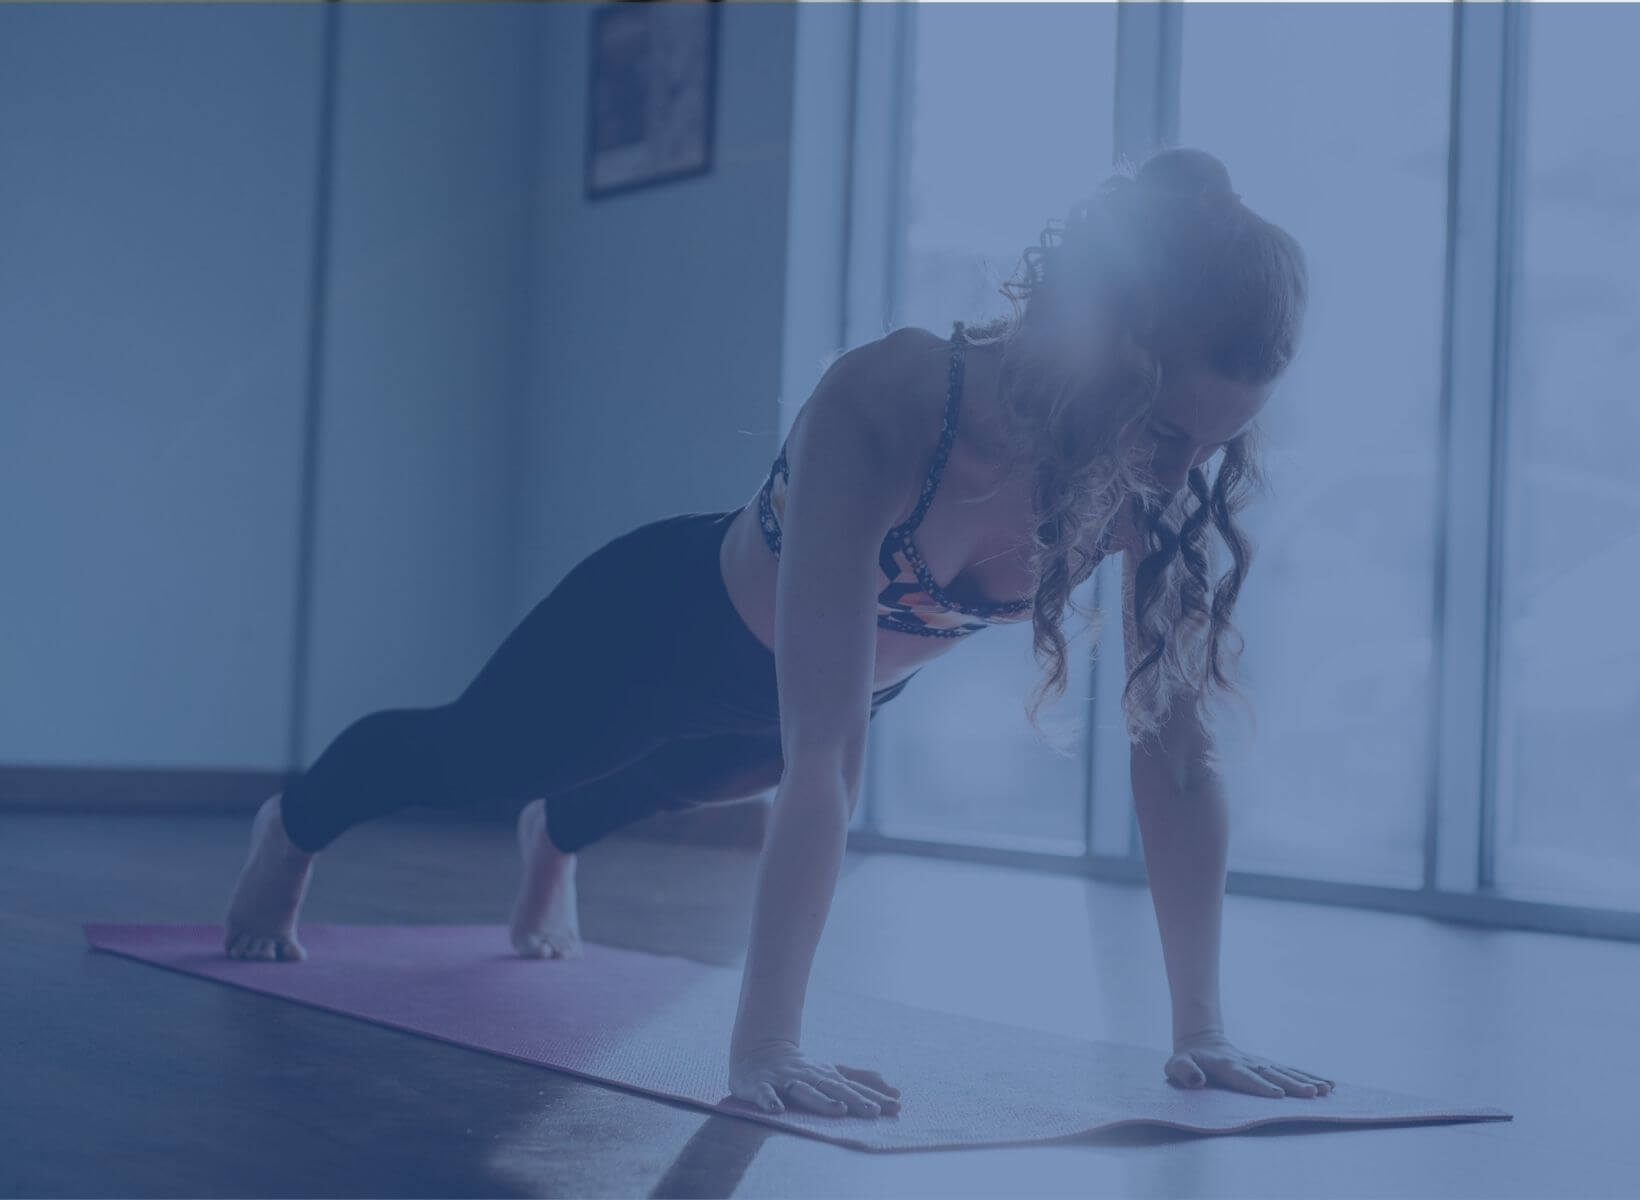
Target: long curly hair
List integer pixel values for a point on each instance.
(1161, 269)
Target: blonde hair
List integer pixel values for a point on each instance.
(1161, 269)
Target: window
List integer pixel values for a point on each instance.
(1568, 784)
(1442, 664)
(1338, 610)
(1010, 121)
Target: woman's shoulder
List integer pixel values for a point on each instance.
(881, 389)
(915, 367)
(884, 384)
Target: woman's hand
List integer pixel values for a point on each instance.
(773, 1071)
(1205, 1058)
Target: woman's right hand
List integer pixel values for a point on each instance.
(771, 1072)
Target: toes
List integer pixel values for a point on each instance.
(564, 944)
(257, 948)
(548, 944)
(528, 947)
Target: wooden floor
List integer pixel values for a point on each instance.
(119, 1079)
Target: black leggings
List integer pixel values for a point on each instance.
(633, 687)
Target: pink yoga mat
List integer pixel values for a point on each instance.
(660, 1024)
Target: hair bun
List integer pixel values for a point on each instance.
(1185, 171)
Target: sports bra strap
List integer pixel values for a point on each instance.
(948, 432)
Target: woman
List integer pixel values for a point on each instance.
(709, 657)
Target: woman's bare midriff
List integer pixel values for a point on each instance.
(974, 548)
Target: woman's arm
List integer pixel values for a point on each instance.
(796, 877)
(1184, 826)
(1184, 823)
(849, 479)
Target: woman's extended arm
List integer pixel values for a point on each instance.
(1184, 827)
(849, 478)
(796, 877)
(1184, 824)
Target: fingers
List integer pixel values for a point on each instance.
(767, 1099)
(846, 1094)
(882, 1100)
(1244, 1073)
(887, 1104)
(1322, 1085)
(1288, 1083)
(862, 1075)
(805, 1095)
(790, 1082)
(1249, 1081)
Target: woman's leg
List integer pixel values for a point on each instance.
(684, 773)
(553, 829)
(578, 690)
(714, 768)
(575, 692)
(719, 768)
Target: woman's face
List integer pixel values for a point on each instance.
(1194, 414)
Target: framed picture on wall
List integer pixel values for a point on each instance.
(651, 100)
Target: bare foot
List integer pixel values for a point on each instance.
(544, 922)
(262, 918)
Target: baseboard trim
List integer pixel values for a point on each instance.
(136, 789)
(208, 790)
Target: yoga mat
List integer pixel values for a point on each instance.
(660, 1024)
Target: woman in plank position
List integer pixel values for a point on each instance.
(709, 657)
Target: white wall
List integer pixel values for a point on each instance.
(157, 198)
(659, 312)
(156, 180)
(508, 374)
(425, 364)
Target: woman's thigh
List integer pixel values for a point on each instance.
(717, 769)
(681, 774)
(585, 685)
(636, 657)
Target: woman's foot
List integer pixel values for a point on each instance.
(544, 922)
(262, 918)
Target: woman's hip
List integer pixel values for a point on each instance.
(647, 616)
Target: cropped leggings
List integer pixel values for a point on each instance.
(633, 687)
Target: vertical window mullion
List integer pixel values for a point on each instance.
(883, 71)
(1511, 135)
(1467, 552)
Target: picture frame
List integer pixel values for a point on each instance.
(651, 94)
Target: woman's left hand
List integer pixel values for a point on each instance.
(1209, 1058)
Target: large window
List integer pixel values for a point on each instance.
(1010, 121)
(1332, 121)
(1440, 651)
(1568, 783)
